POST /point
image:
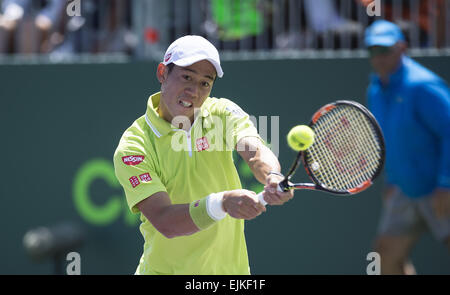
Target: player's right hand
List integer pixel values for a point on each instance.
(242, 204)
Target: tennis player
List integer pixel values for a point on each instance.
(412, 105)
(175, 165)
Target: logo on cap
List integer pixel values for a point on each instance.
(167, 57)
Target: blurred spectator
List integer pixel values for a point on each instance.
(324, 25)
(412, 105)
(425, 16)
(237, 24)
(30, 26)
(103, 27)
(115, 34)
(323, 16)
(11, 14)
(237, 19)
(43, 26)
(49, 22)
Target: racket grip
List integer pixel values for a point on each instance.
(261, 196)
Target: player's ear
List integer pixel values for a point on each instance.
(161, 72)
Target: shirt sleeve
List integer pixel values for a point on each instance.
(238, 124)
(433, 109)
(136, 173)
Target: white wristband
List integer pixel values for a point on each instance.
(214, 206)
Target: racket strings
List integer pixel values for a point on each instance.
(347, 150)
(352, 162)
(370, 155)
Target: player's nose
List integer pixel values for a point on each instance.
(191, 91)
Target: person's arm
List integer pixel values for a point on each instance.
(51, 14)
(262, 161)
(441, 203)
(169, 219)
(433, 107)
(174, 220)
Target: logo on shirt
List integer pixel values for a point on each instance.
(145, 177)
(134, 181)
(236, 111)
(202, 144)
(132, 160)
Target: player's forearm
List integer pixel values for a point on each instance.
(171, 220)
(260, 159)
(187, 219)
(175, 221)
(263, 163)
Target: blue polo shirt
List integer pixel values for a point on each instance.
(413, 110)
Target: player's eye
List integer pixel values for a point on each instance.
(187, 77)
(205, 84)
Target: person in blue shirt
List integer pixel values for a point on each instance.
(412, 106)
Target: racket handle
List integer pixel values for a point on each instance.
(261, 196)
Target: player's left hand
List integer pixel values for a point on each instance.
(271, 194)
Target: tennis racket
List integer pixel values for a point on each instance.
(347, 154)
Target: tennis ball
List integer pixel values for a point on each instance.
(300, 138)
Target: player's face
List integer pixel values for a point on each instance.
(385, 60)
(184, 88)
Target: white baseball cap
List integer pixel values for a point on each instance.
(190, 49)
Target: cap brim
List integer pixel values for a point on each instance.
(185, 62)
(380, 41)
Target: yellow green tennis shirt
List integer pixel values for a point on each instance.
(153, 156)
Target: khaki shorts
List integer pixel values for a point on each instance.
(402, 215)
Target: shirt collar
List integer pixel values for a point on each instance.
(396, 77)
(159, 125)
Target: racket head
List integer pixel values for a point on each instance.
(348, 152)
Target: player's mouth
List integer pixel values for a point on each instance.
(185, 103)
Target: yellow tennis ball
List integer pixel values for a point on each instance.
(300, 137)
